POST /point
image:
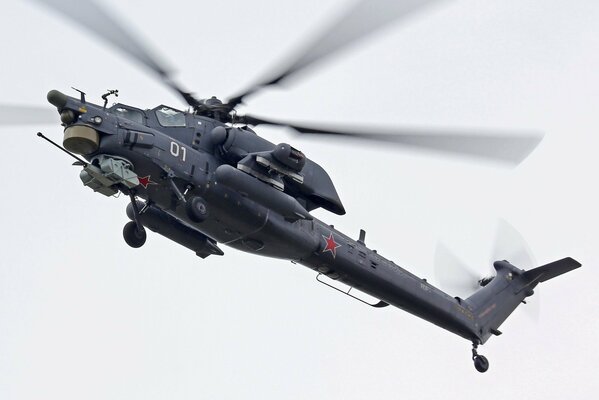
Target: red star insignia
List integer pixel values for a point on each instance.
(145, 181)
(331, 245)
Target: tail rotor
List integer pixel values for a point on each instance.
(456, 277)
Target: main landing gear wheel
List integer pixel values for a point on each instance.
(196, 209)
(480, 362)
(134, 236)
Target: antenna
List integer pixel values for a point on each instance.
(79, 160)
(82, 94)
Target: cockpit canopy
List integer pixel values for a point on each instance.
(127, 112)
(166, 116)
(169, 117)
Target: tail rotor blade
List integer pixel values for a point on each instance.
(453, 274)
(532, 307)
(510, 246)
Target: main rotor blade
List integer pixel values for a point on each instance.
(508, 148)
(362, 19)
(25, 115)
(95, 19)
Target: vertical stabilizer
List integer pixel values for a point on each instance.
(500, 297)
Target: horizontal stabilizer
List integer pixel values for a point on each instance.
(551, 270)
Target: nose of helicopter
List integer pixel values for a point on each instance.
(81, 139)
(56, 98)
(78, 138)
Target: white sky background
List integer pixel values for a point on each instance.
(82, 315)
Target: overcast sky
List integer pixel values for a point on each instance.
(83, 316)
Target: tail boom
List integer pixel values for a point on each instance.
(498, 299)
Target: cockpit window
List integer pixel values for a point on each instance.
(131, 115)
(169, 117)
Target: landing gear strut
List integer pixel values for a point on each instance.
(480, 362)
(134, 233)
(195, 207)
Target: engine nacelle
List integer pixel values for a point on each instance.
(283, 167)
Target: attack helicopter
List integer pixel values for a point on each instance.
(203, 177)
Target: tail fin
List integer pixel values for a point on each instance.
(551, 270)
(498, 299)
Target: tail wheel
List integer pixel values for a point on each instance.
(481, 363)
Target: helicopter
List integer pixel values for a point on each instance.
(204, 177)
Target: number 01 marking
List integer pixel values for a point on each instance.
(177, 150)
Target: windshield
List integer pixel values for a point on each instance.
(170, 117)
(131, 115)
